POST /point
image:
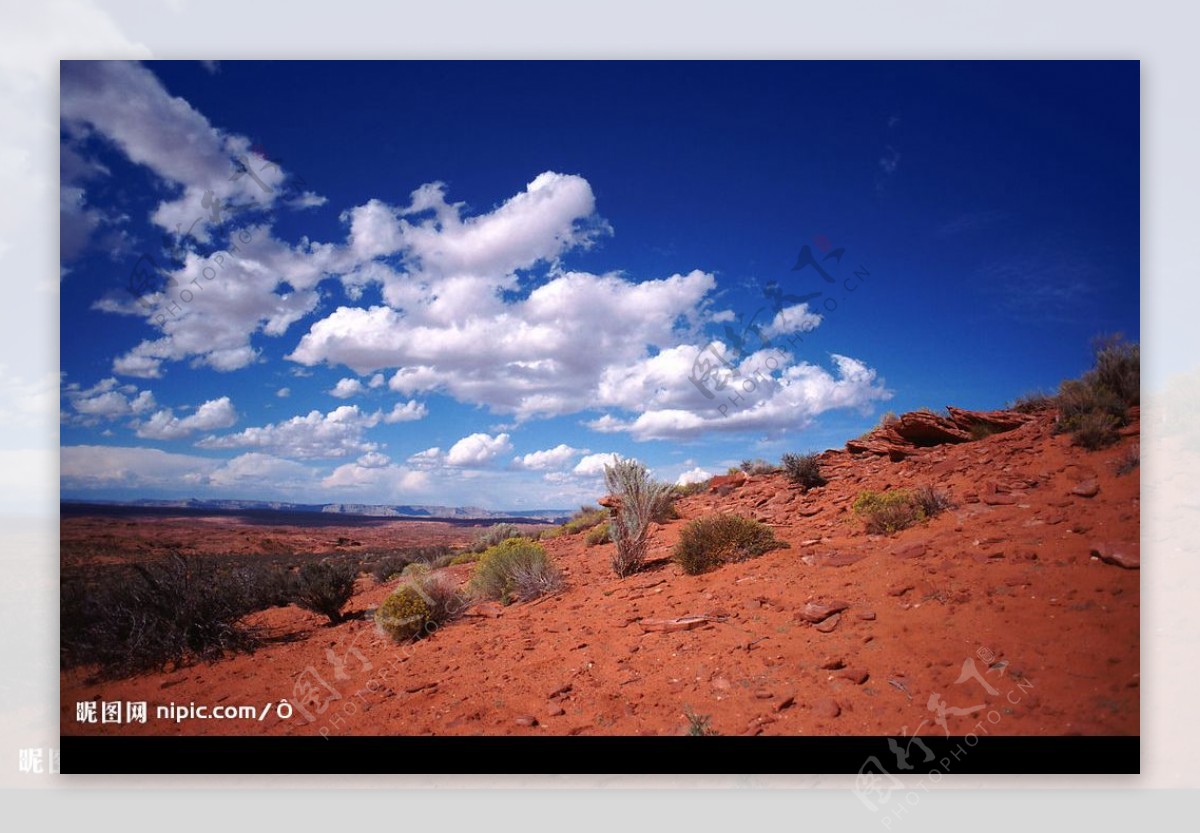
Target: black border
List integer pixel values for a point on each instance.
(983, 754)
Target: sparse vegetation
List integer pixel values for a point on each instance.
(1131, 460)
(419, 607)
(642, 501)
(706, 543)
(804, 470)
(390, 565)
(758, 466)
(515, 570)
(981, 430)
(493, 535)
(685, 490)
(888, 512)
(1094, 406)
(1032, 402)
(931, 500)
(325, 588)
(698, 725)
(600, 534)
(885, 420)
(174, 611)
(586, 518)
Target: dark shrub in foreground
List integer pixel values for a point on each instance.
(714, 540)
(325, 588)
(175, 611)
(894, 510)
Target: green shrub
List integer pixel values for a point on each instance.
(465, 558)
(419, 607)
(515, 569)
(585, 519)
(708, 542)
(642, 501)
(804, 470)
(600, 534)
(494, 535)
(888, 512)
(1095, 430)
(1094, 406)
(686, 490)
(325, 588)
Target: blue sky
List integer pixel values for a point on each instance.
(473, 283)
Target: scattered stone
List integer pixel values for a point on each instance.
(527, 721)
(900, 589)
(764, 694)
(910, 551)
(826, 626)
(1126, 556)
(856, 676)
(996, 499)
(835, 559)
(1086, 489)
(866, 615)
(562, 690)
(833, 663)
(555, 710)
(815, 612)
(827, 708)
(417, 687)
(785, 702)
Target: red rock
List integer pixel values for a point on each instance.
(785, 702)
(995, 499)
(837, 560)
(1086, 489)
(856, 676)
(866, 615)
(827, 708)
(722, 484)
(611, 502)
(833, 663)
(1126, 556)
(815, 612)
(900, 589)
(764, 694)
(555, 710)
(997, 421)
(527, 721)
(826, 626)
(910, 551)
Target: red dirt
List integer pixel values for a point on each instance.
(1007, 580)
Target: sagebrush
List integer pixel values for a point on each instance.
(708, 542)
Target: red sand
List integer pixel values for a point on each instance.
(1006, 580)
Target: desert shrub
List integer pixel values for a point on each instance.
(465, 558)
(515, 569)
(175, 611)
(981, 430)
(1130, 461)
(804, 470)
(265, 586)
(600, 534)
(888, 512)
(685, 490)
(642, 501)
(1032, 402)
(415, 570)
(733, 470)
(404, 615)
(1094, 406)
(931, 500)
(585, 519)
(325, 588)
(1095, 430)
(708, 542)
(389, 567)
(698, 725)
(758, 466)
(494, 535)
(1117, 368)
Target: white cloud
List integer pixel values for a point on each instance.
(556, 458)
(760, 400)
(593, 465)
(377, 381)
(793, 319)
(314, 435)
(477, 450)
(127, 105)
(255, 469)
(406, 412)
(347, 387)
(693, 476)
(90, 467)
(107, 400)
(284, 392)
(164, 425)
(385, 481)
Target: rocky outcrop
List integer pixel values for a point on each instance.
(920, 429)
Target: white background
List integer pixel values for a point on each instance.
(34, 36)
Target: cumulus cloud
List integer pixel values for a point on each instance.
(693, 476)
(406, 412)
(347, 387)
(164, 425)
(793, 319)
(284, 392)
(556, 458)
(758, 400)
(478, 450)
(593, 465)
(336, 434)
(108, 399)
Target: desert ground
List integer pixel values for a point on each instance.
(1017, 607)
